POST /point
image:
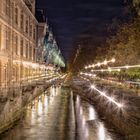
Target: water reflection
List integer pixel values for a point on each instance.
(101, 131)
(56, 115)
(89, 126)
(92, 113)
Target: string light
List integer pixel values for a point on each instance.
(105, 62)
(126, 67)
(103, 70)
(88, 74)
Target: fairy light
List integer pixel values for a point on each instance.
(103, 94)
(85, 78)
(105, 62)
(126, 67)
(113, 60)
(103, 70)
(88, 74)
(119, 70)
(98, 64)
(81, 73)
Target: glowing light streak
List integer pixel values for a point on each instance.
(126, 67)
(103, 94)
(88, 74)
(85, 78)
(105, 62)
(106, 70)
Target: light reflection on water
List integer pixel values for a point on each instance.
(92, 113)
(101, 131)
(89, 126)
(52, 116)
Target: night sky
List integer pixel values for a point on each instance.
(70, 18)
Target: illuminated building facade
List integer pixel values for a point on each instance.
(42, 29)
(18, 27)
(47, 48)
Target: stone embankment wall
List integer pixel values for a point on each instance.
(12, 103)
(126, 120)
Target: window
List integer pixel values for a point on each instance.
(12, 10)
(21, 45)
(27, 26)
(30, 52)
(26, 50)
(8, 7)
(31, 30)
(16, 15)
(16, 44)
(0, 73)
(0, 37)
(34, 54)
(7, 37)
(34, 35)
(4, 6)
(22, 20)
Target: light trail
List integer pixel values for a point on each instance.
(125, 67)
(105, 62)
(88, 74)
(95, 76)
(108, 70)
(109, 98)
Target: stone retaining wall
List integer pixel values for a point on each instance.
(12, 104)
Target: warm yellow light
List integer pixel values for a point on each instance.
(119, 70)
(98, 64)
(113, 60)
(105, 62)
(126, 67)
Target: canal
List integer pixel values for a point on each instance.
(59, 115)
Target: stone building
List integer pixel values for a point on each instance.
(18, 33)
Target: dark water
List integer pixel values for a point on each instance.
(58, 115)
